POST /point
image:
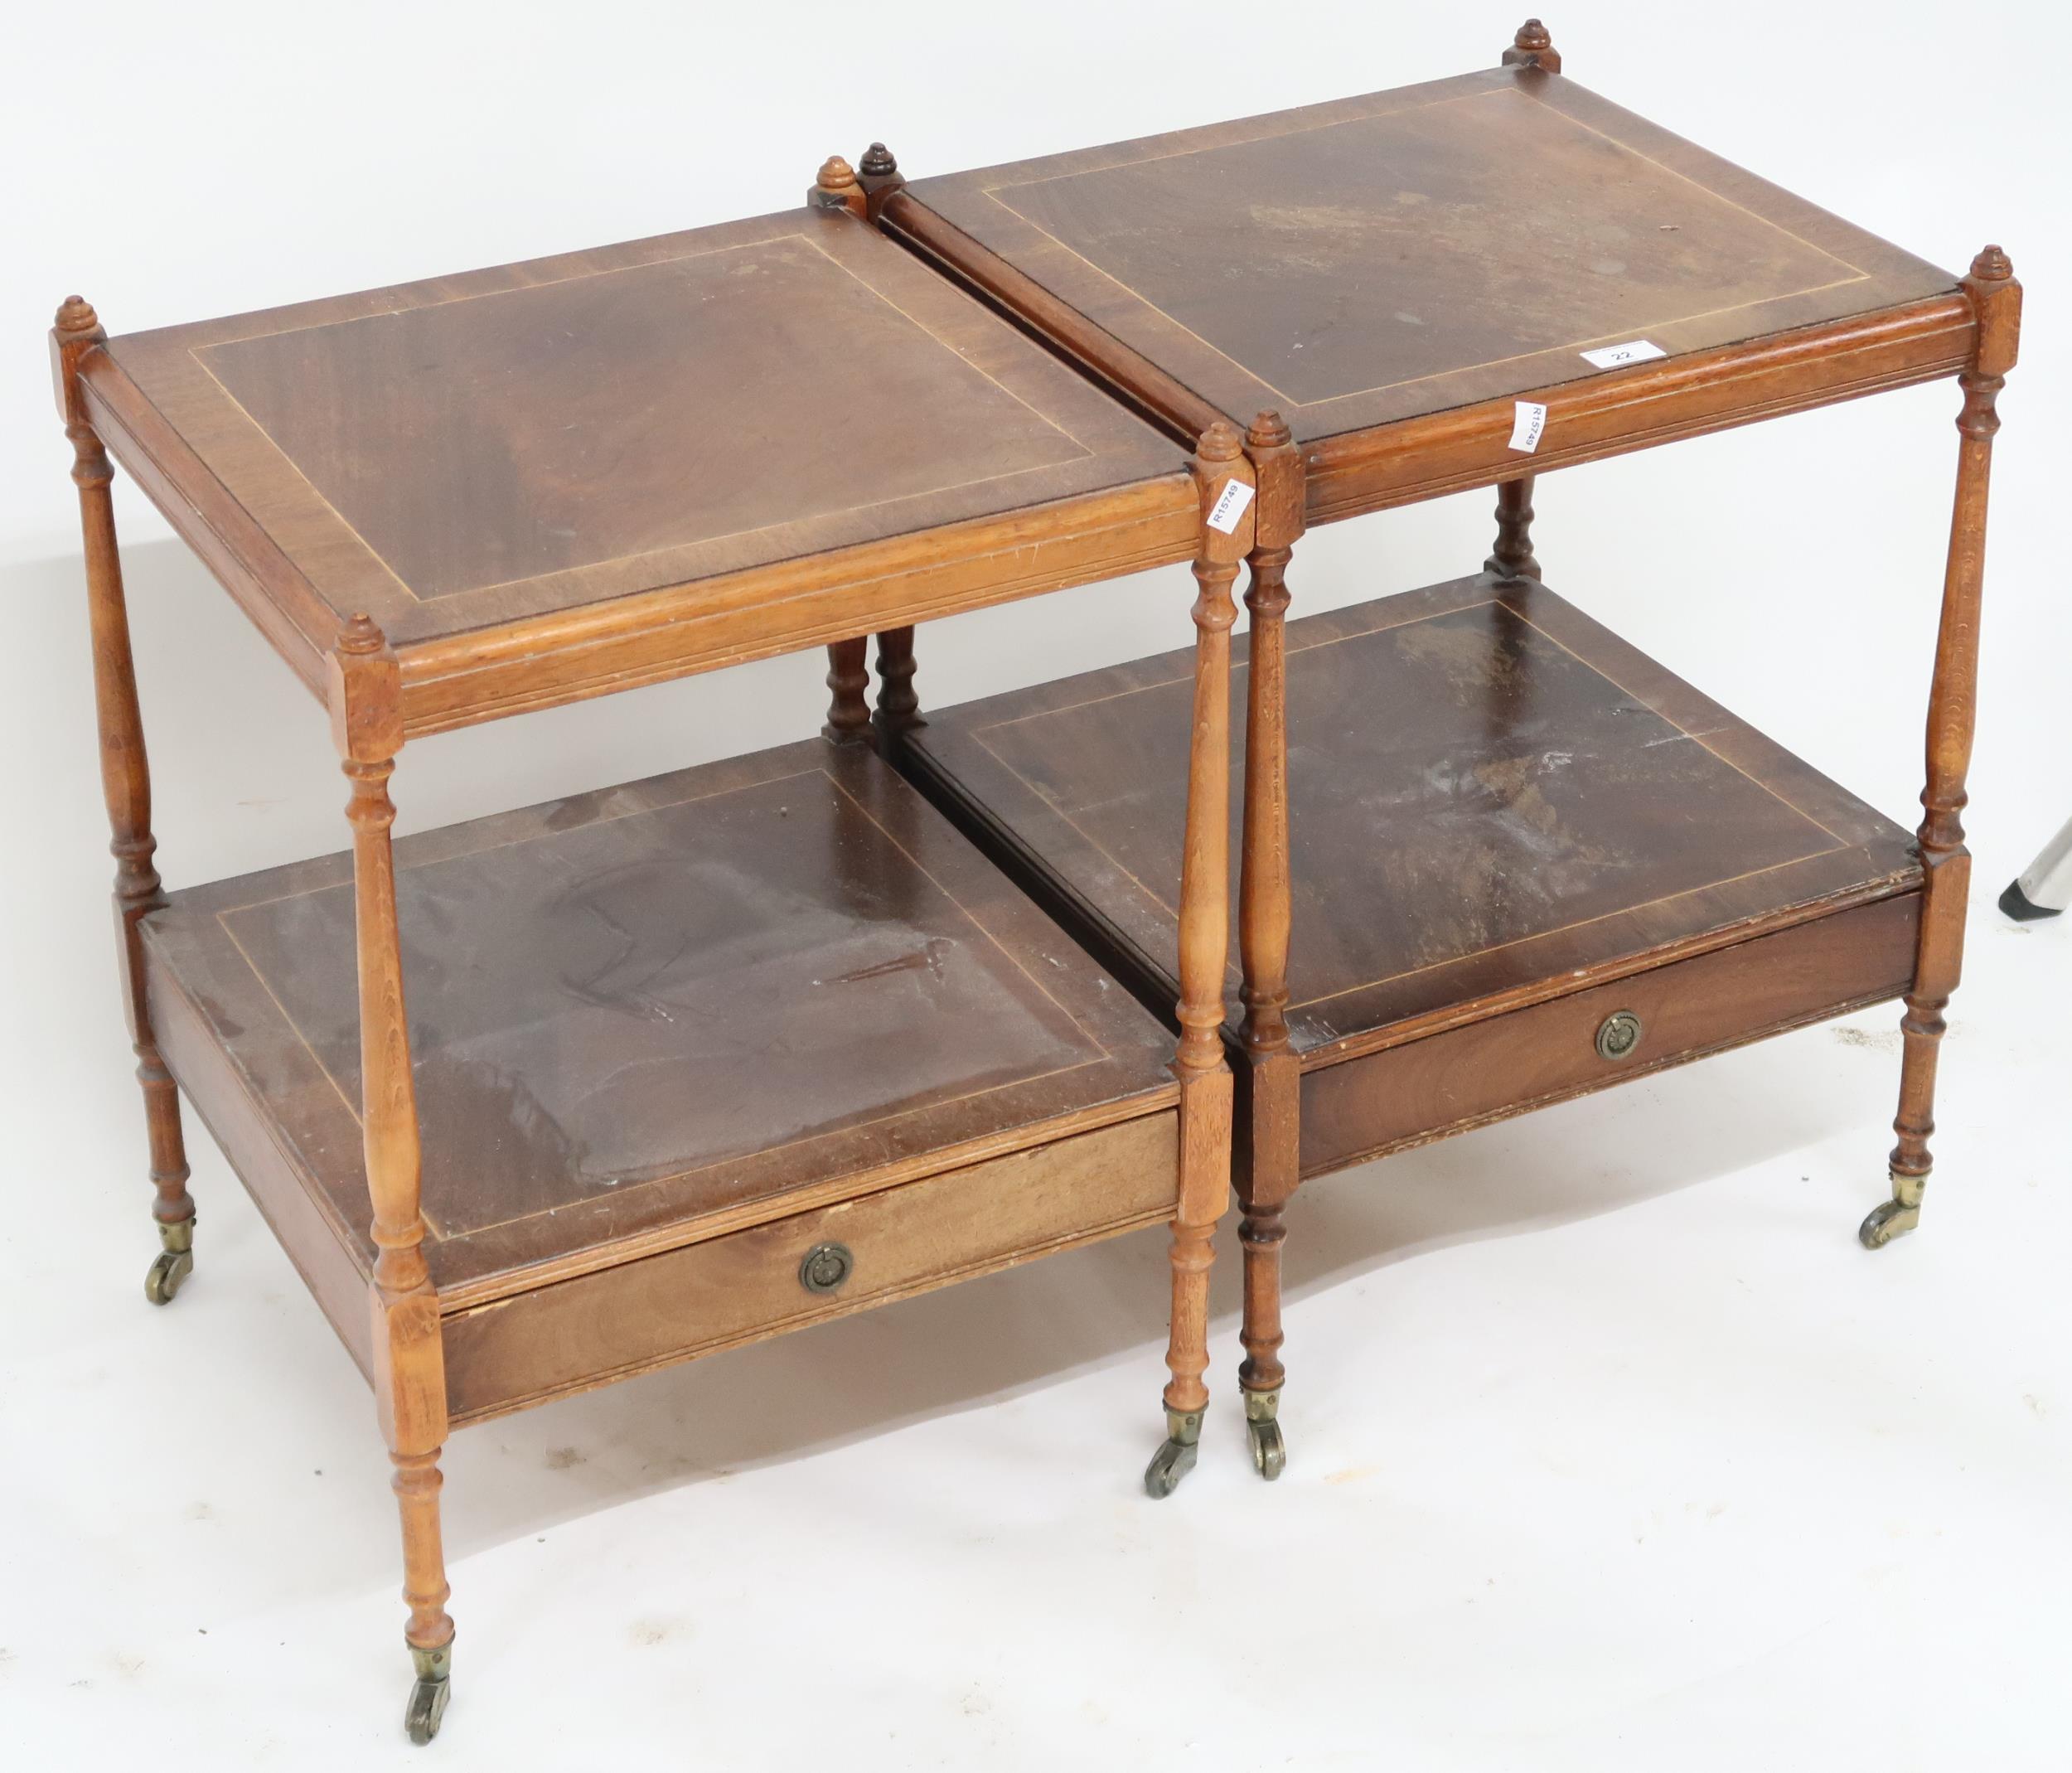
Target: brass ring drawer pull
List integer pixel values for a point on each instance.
(1618, 1035)
(826, 1266)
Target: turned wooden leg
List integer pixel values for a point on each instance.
(1204, 942)
(409, 1371)
(1512, 558)
(849, 684)
(429, 1635)
(1268, 1176)
(126, 787)
(898, 707)
(1921, 1030)
(1262, 1233)
(1952, 714)
(1193, 1255)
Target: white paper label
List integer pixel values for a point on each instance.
(1525, 428)
(1229, 506)
(1612, 356)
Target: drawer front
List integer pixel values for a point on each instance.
(754, 1283)
(1403, 1096)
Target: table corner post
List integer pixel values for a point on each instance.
(126, 789)
(1953, 707)
(864, 191)
(409, 1375)
(1204, 947)
(1272, 1080)
(899, 704)
(848, 681)
(1512, 560)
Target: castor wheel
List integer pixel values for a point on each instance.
(173, 1263)
(1893, 1217)
(1174, 1459)
(429, 1694)
(427, 1706)
(1269, 1451)
(1885, 1223)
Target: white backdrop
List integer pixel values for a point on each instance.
(1680, 1479)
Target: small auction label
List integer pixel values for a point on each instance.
(1612, 356)
(1525, 429)
(1229, 506)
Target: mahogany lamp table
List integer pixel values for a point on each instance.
(1492, 856)
(543, 1100)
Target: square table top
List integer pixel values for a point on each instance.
(1375, 259)
(515, 444)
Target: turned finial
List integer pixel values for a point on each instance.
(361, 636)
(366, 707)
(1533, 48)
(1996, 299)
(1277, 465)
(1269, 431)
(76, 318)
(877, 177)
(1220, 442)
(836, 186)
(1991, 266)
(77, 330)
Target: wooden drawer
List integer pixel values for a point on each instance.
(1405, 1095)
(746, 1286)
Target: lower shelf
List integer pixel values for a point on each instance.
(1507, 826)
(752, 1008)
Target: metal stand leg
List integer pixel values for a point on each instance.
(2044, 888)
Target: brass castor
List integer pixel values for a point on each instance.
(1262, 1420)
(433, 1687)
(1893, 1217)
(1174, 1459)
(173, 1264)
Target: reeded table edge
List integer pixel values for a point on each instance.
(668, 631)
